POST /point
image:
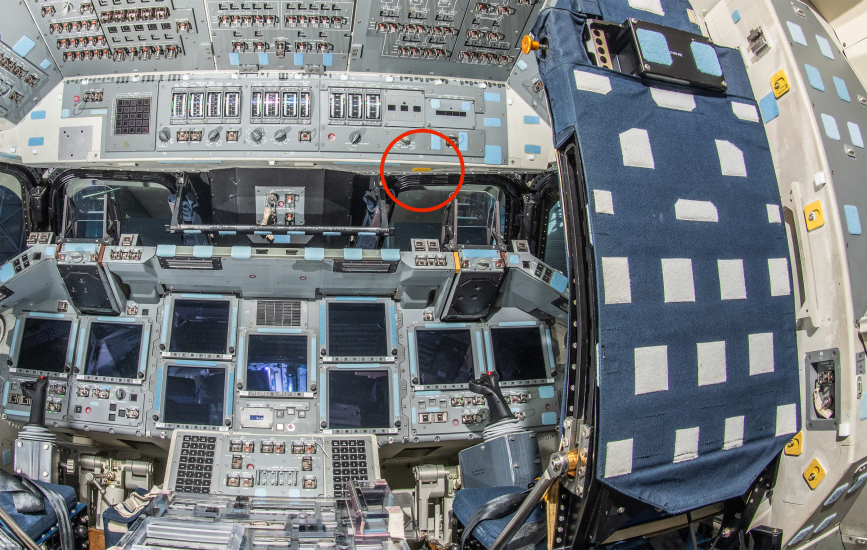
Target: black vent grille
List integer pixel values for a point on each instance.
(278, 314)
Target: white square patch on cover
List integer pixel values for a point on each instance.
(745, 111)
(653, 6)
(731, 159)
(673, 100)
(685, 444)
(711, 363)
(787, 419)
(695, 211)
(603, 201)
(615, 280)
(651, 369)
(635, 146)
(778, 269)
(774, 214)
(618, 458)
(592, 82)
(732, 285)
(761, 353)
(677, 280)
(734, 434)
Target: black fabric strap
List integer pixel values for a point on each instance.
(525, 538)
(27, 499)
(58, 503)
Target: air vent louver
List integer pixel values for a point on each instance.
(278, 313)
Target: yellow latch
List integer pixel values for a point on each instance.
(796, 446)
(814, 216)
(780, 83)
(814, 474)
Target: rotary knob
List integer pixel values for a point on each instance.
(214, 135)
(280, 136)
(355, 137)
(120, 393)
(257, 135)
(164, 135)
(406, 140)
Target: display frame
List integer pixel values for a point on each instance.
(161, 394)
(547, 351)
(84, 341)
(476, 344)
(394, 399)
(391, 319)
(167, 329)
(18, 337)
(244, 350)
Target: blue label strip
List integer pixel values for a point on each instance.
(445, 325)
(146, 340)
(357, 365)
(79, 357)
(234, 327)
(410, 336)
(479, 357)
(229, 393)
(117, 319)
(159, 390)
(488, 353)
(18, 324)
(242, 360)
(393, 326)
(166, 316)
(322, 322)
(278, 331)
(203, 296)
(518, 324)
(395, 381)
(355, 298)
(43, 315)
(322, 392)
(6, 393)
(428, 392)
(71, 349)
(550, 351)
(194, 363)
(312, 366)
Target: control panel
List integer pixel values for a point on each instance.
(281, 465)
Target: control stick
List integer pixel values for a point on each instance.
(488, 384)
(37, 392)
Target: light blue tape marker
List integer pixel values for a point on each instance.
(493, 97)
(410, 336)
(814, 77)
(429, 392)
(263, 58)
(23, 46)
(166, 250)
(294, 493)
(522, 64)
(831, 129)
(43, 315)
(366, 234)
(493, 122)
(357, 365)
(64, 113)
(435, 103)
(842, 90)
(7, 457)
(863, 477)
(466, 106)
(6, 272)
(855, 134)
(558, 282)
(479, 357)
(278, 330)
(35, 141)
(835, 496)
(202, 296)
(433, 409)
(825, 47)
(233, 330)
(18, 324)
(79, 355)
(322, 322)
(146, 340)
(37, 115)
(546, 392)
(493, 154)
(736, 16)
(436, 142)
(550, 349)
(45, 64)
(396, 397)
(352, 254)
(117, 319)
(533, 149)
(314, 254)
(706, 59)
(203, 251)
(463, 140)
(654, 47)
(295, 233)
(227, 232)
(229, 393)
(6, 393)
(518, 324)
(313, 351)
(331, 233)
(853, 220)
(166, 316)
(532, 119)
(282, 239)
(260, 492)
(514, 259)
(50, 251)
(391, 254)
(825, 522)
(479, 253)
(194, 363)
(769, 107)
(99, 112)
(489, 354)
(261, 232)
(327, 59)
(445, 325)
(298, 58)
(71, 349)
(17, 413)
(393, 320)
(234, 59)
(549, 418)
(355, 298)
(242, 252)
(242, 360)
(188, 162)
(798, 37)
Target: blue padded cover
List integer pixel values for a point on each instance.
(467, 501)
(618, 11)
(651, 404)
(37, 524)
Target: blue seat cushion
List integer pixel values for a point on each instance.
(467, 501)
(35, 525)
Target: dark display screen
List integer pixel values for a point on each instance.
(200, 326)
(195, 395)
(277, 362)
(357, 330)
(113, 350)
(444, 356)
(518, 353)
(358, 398)
(44, 344)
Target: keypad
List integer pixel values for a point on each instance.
(133, 116)
(196, 464)
(349, 461)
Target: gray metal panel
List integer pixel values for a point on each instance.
(847, 172)
(505, 461)
(74, 142)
